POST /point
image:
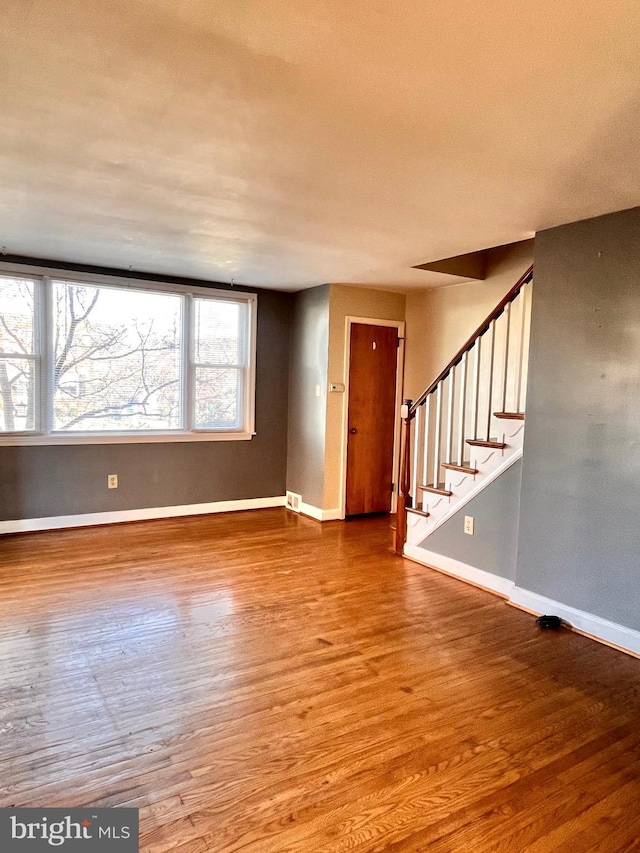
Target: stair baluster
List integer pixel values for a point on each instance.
(523, 334)
(461, 410)
(492, 353)
(475, 405)
(425, 443)
(507, 334)
(450, 406)
(415, 501)
(438, 429)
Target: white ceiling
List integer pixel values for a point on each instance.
(289, 143)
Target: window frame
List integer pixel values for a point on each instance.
(44, 337)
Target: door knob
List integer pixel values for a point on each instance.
(353, 430)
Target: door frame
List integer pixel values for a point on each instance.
(371, 321)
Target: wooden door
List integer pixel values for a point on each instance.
(372, 403)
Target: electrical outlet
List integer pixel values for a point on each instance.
(468, 524)
(294, 501)
(112, 481)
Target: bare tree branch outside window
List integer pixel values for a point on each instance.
(117, 362)
(18, 360)
(117, 359)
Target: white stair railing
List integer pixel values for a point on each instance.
(487, 377)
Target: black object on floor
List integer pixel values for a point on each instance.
(553, 622)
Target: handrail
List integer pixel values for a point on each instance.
(497, 311)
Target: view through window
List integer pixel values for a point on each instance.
(19, 360)
(118, 360)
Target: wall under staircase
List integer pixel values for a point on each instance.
(489, 557)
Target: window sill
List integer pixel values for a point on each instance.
(25, 440)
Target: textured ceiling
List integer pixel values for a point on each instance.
(287, 144)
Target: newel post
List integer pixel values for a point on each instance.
(404, 492)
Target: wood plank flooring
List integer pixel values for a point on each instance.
(259, 682)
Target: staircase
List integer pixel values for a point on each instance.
(467, 426)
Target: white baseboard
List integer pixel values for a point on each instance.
(320, 514)
(26, 525)
(611, 633)
(332, 514)
(463, 571)
(311, 511)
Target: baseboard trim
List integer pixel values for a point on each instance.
(610, 633)
(319, 514)
(332, 514)
(28, 525)
(462, 571)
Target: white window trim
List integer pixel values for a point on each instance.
(44, 334)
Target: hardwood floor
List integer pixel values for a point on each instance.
(264, 683)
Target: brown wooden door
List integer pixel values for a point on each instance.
(372, 403)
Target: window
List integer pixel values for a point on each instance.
(19, 358)
(87, 360)
(219, 344)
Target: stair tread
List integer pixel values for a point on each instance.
(478, 442)
(418, 511)
(437, 490)
(465, 468)
(512, 416)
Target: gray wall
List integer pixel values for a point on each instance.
(579, 540)
(307, 409)
(63, 480)
(493, 546)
